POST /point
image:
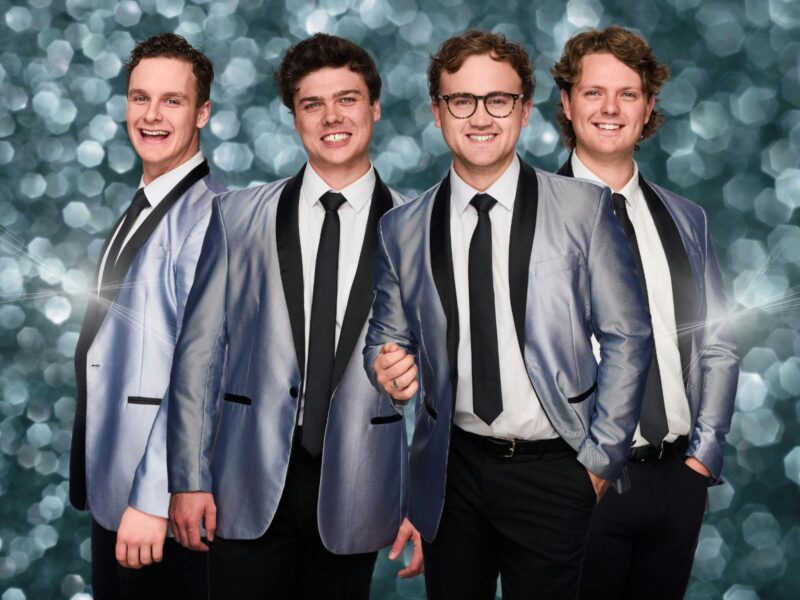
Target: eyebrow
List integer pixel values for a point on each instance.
(338, 94)
(144, 93)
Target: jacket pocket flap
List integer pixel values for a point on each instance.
(386, 419)
(143, 400)
(237, 399)
(583, 396)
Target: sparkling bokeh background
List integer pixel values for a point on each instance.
(731, 142)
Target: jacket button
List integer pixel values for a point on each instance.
(293, 392)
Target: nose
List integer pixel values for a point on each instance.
(153, 113)
(610, 106)
(480, 118)
(332, 113)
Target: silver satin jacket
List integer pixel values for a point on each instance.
(571, 276)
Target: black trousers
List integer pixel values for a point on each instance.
(181, 574)
(525, 518)
(642, 543)
(289, 561)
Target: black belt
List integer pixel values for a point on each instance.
(507, 448)
(647, 452)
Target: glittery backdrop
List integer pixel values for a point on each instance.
(731, 142)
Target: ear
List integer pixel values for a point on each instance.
(437, 117)
(204, 114)
(651, 104)
(376, 111)
(527, 107)
(566, 105)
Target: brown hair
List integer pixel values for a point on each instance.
(171, 45)
(628, 48)
(453, 52)
(318, 52)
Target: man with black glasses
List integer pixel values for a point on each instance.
(488, 290)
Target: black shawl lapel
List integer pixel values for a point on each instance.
(442, 268)
(523, 227)
(361, 293)
(287, 239)
(147, 227)
(566, 168)
(680, 272)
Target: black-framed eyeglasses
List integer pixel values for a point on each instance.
(463, 105)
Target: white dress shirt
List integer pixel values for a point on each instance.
(523, 417)
(155, 192)
(659, 296)
(353, 216)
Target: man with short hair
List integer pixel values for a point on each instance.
(124, 352)
(299, 475)
(489, 287)
(641, 543)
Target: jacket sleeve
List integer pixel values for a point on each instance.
(719, 365)
(149, 491)
(388, 322)
(621, 325)
(197, 366)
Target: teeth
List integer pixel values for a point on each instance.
(336, 137)
(482, 138)
(155, 132)
(608, 126)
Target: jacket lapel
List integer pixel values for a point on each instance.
(442, 269)
(523, 227)
(287, 239)
(680, 272)
(566, 168)
(147, 227)
(361, 296)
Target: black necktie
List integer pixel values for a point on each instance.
(322, 328)
(487, 397)
(138, 204)
(653, 421)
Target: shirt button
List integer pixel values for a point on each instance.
(293, 392)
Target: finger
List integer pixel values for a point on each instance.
(211, 522)
(195, 543)
(399, 369)
(158, 551)
(121, 553)
(399, 543)
(417, 564)
(133, 557)
(407, 393)
(404, 380)
(145, 555)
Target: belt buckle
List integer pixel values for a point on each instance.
(510, 451)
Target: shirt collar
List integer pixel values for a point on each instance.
(629, 190)
(162, 185)
(358, 194)
(504, 189)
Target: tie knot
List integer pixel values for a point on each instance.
(140, 201)
(483, 203)
(618, 200)
(331, 201)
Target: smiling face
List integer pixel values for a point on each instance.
(334, 118)
(163, 118)
(482, 145)
(608, 109)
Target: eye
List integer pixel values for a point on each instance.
(347, 100)
(630, 95)
(591, 93)
(172, 101)
(309, 106)
(138, 98)
(462, 101)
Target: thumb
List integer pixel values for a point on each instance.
(389, 347)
